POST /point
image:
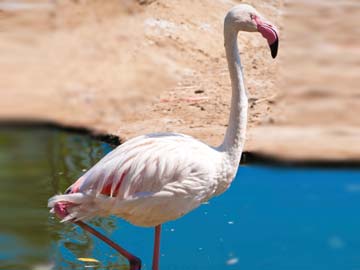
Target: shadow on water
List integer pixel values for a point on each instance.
(271, 218)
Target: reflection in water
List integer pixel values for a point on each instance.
(34, 165)
(270, 218)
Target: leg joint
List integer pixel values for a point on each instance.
(135, 263)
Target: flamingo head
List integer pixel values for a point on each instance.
(244, 17)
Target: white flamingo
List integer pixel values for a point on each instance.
(155, 178)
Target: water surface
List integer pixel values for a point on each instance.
(271, 218)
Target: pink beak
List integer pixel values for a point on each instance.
(270, 33)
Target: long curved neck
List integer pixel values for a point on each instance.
(235, 134)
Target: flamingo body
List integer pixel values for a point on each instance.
(149, 180)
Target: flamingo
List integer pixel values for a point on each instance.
(155, 178)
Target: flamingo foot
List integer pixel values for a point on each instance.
(61, 209)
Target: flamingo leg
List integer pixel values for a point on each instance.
(135, 262)
(155, 265)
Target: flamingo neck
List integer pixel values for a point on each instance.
(234, 140)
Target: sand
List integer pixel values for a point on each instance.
(132, 67)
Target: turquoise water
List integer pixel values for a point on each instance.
(271, 218)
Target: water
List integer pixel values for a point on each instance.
(271, 218)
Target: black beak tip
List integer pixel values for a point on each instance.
(274, 48)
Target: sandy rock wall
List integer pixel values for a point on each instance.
(130, 67)
(316, 114)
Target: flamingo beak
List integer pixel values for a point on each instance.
(274, 47)
(270, 33)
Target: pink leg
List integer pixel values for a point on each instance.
(155, 265)
(135, 262)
